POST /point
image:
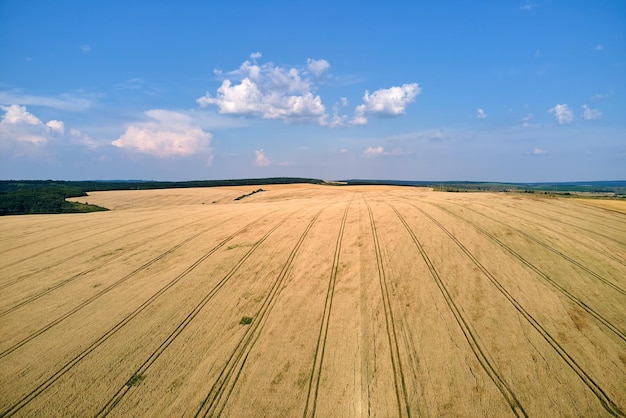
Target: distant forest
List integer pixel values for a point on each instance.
(18, 197)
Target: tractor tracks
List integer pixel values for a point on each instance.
(78, 275)
(69, 365)
(396, 361)
(591, 231)
(70, 242)
(620, 334)
(215, 401)
(101, 293)
(61, 261)
(599, 393)
(478, 351)
(595, 249)
(555, 251)
(314, 381)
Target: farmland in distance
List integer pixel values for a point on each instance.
(313, 300)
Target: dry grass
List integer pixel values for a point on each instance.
(315, 300)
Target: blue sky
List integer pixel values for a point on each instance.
(522, 91)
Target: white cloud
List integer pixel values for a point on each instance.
(19, 125)
(80, 138)
(386, 102)
(269, 91)
(337, 120)
(590, 114)
(256, 55)
(288, 94)
(538, 151)
(61, 102)
(526, 119)
(317, 67)
(527, 6)
(480, 114)
(562, 113)
(16, 114)
(167, 134)
(260, 159)
(432, 135)
(373, 152)
(85, 48)
(601, 96)
(599, 47)
(56, 126)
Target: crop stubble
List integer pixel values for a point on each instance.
(362, 301)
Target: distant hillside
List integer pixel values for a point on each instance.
(19, 197)
(615, 187)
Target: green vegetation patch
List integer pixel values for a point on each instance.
(246, 320)
(135, 380)
(51, 199)
(249, 194)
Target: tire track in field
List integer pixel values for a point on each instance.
(604, 399)
(41, 231)
(593, 211)
(479, 352)
(613, 211)
(536, 270)
(69, 365)
(101, 293)
(311, 399)
(65, 260)
(215, 401)
(595, 249)
(554, 250)
(566, 211)
(396, 362)
(591, 231)
(73, 241)
(44, 292)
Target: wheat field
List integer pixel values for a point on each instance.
(312, 300)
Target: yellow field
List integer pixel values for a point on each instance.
(308, 300)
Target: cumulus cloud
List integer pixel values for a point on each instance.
(16, 114)
(480, 114)
(56, 126)
(317, 67)
(20, 125)
(562, 113)
(538, 151)
(260, 160)
(591, 114)
(166, 134)
(270, 91)
(386, 102)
